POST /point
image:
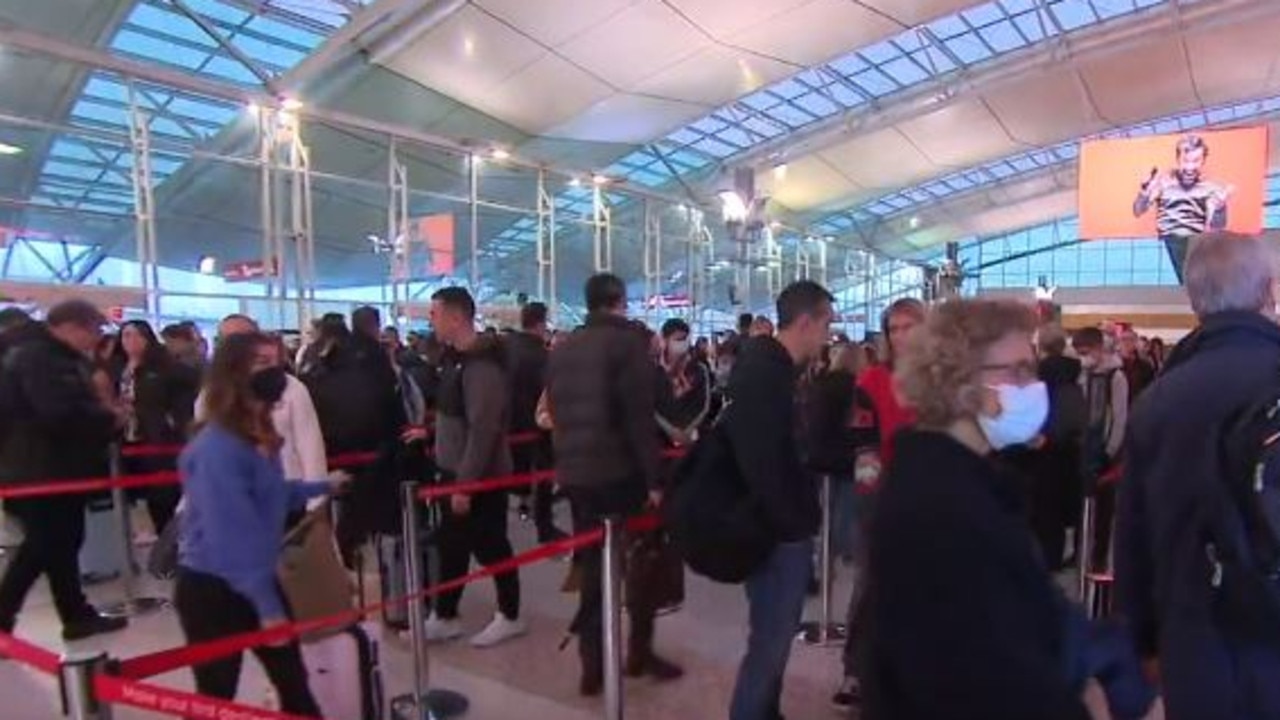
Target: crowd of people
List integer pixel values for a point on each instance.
(960, 446)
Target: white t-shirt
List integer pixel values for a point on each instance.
(295, 419)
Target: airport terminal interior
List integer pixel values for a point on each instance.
(181, 161)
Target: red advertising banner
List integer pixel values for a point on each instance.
(251, 270)
(437, 233)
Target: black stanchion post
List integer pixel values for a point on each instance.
(824, 631)
(75, 680)
(132, 604)
(422, 704)
(611, 595)
(1084, 552)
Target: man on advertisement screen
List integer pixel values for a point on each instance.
(1186, 203)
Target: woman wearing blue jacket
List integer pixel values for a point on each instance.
(237, 500)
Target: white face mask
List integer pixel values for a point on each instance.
(1023, 411)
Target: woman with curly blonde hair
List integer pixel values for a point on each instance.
(964, 620)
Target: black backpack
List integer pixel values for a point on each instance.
(1241, 533)
(715, 524)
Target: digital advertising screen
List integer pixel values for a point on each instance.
(1173, 186)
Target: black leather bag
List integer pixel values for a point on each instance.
(655, 574)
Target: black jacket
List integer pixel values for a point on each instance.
(164, 398)
(54, 425)
(1162, 574)
(528, 357)
(356, 394)
(762, 426)
(965, 620)
(840, 423)
(600, 389)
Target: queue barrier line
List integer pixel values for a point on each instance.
(172, 450)
(474, 487)
(165, 661)
(89, 485)
(168, 701)
(25, 653)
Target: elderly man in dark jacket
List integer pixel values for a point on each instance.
(601, 395)
(1165, 578)
(52, 427)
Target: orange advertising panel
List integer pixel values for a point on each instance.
(1173, 186)
(436, 232)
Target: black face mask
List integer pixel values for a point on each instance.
(268, 385)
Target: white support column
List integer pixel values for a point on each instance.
(398, 230)
(301, 228)
(804, 261)
(266, 189)
(144, 206)
(473, 193)
(546, 256)
(822, 263)
(772, 256)
(602, 229)
(652, 256)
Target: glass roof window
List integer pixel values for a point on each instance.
(914, 56)
(273, 39)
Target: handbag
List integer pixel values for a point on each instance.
(655, 574)
(311, 574)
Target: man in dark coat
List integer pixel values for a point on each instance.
(1162, 567)
(53, 428)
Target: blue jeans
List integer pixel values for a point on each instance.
(776, 595)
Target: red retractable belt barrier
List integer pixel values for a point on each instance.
(168, 701)
(88, 485)
(30, 655)
(147, 451)
(165, 661)
(482, 486)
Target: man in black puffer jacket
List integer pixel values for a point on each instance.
(601, 394)
(55, 428)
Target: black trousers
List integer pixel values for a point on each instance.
(209, 609)
(162, 502)
(53, 531)
(591, 505)
(482, 533)
(533, 457)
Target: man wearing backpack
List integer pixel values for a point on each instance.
(1175, 568)
(761, 425)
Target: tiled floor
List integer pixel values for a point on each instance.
(528, 677)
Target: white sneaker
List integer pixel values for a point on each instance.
(439, 630)
(499, 631)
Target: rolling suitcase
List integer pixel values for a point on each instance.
(345, 675)
(101, 555)
(392, 581)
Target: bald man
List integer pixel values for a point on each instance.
(295, 418)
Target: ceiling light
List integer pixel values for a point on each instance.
(469, 46)
(254, 109)
(914, 222)
(575, 182)
(775, 226)
(599, 179)
(499, 154)
(780, 171)
(7, 149)
(207, 265)
(291, 104)
(733, 206)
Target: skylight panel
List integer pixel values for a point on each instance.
(875, 82)
(904, 71)
(1073, 14)
(1003, 36)
(816, 105)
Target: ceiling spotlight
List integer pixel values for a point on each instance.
(254, 108)
(599, 179)
(780, 171)
(775, 226)
(291, 104)
(7, 149)
(733, 206)
(575, 182)
(207, 265)
(914, 222)
(499, 154)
